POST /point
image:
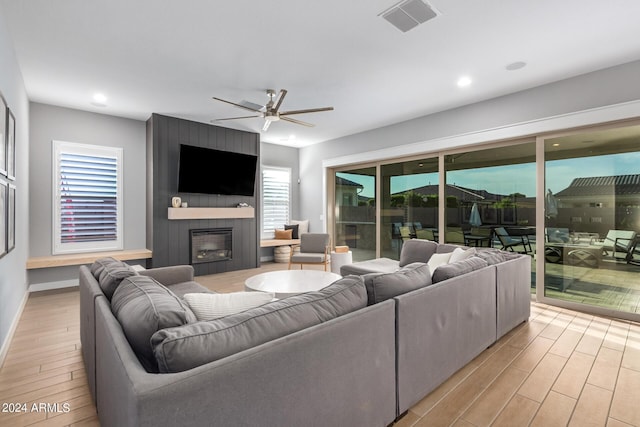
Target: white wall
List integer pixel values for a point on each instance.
(13, 284)
(425, 134)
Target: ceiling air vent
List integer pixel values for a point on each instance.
(408, 14)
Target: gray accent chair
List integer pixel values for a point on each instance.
(314, 249)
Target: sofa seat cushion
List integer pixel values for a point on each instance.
(416, 250)
(378, 265)
(459, 268)
(190, 287)
(208, 306)
(188, 346)
(144, 306)
(109, 273)
(381, 287)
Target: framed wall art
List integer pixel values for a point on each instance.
(11, 145)
(4, 186)
(3, 136)
(11, 218)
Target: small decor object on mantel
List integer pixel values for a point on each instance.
(176, 202)
(185, 205)
(243, 205)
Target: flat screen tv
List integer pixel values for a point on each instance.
(209, 171)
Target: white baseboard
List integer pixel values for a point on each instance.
(46, 286)
(4, 349)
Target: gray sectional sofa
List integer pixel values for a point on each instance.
(467, 306)
(321, 358)
(360, 352)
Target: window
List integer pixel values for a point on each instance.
(87, 198)
(276, 195)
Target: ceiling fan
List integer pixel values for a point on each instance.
(270, 112)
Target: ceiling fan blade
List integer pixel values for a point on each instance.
(266, 125)
(308, 110)
(298, 122)
(234, 118)
(281, 95)
(236, 105)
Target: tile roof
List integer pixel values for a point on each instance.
(603, 185)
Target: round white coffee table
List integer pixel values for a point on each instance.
(285, 283)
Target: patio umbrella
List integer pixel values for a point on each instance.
(474, 217)
(551, 205)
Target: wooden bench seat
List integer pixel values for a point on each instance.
(85, 258)
(269, 243)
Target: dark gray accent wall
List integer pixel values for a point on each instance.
(169, 239)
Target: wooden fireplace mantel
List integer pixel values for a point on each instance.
(211, 213)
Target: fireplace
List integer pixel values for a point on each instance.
(210, 245)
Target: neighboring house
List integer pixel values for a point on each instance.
(600, 203)
(601, 192)
(347, 192)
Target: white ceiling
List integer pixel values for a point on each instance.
(170, 56)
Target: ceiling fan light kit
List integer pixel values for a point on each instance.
(271, 111)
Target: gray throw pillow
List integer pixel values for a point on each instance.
(294, 230)
(185, 347)
(416, 250)
(109, 272)
(459, 268)
(381, 287)
(144, 306)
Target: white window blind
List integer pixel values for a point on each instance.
(276, 194)
(87, 198)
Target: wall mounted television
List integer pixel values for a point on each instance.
(209, 171)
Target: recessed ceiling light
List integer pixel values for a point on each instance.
(516, 65)
(100, 98)
(464, 81)
(555, 144)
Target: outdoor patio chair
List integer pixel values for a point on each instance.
(314, 249)
(405, 232)
(619, 241)
(508, 242)
(426, 234)
(557, 235)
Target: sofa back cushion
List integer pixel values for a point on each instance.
(144, 306)
(495, 256)
(459, 268)
(445, 248)
(185, 347)
(109, 272)
(381, 287)
(416, 250)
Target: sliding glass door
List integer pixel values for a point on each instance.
(592, 219)
(491, 198)
(355, 211)
(570, 201)
(409, 199)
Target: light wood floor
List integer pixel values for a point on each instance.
(560, 368)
